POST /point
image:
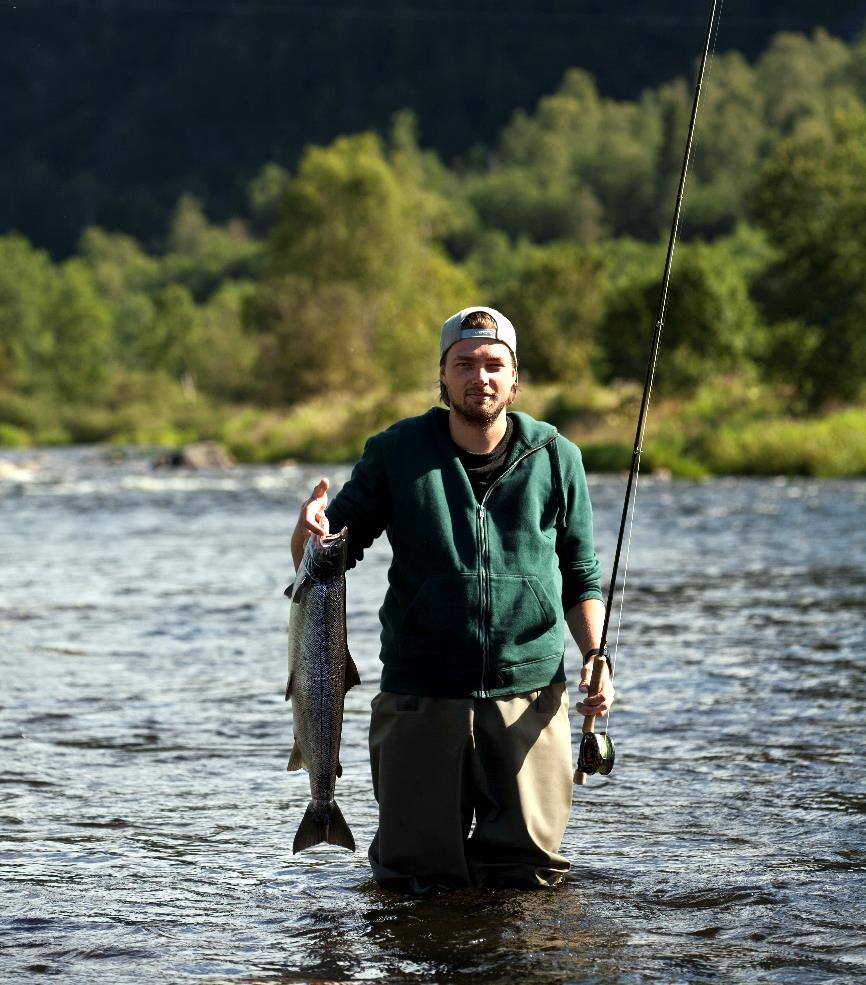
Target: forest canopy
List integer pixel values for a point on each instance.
(337, 273)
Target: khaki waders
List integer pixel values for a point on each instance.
(437, 762)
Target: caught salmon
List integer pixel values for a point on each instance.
(320, 672)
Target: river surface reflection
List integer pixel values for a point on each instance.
(146, 817)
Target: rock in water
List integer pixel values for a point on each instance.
(200, 455)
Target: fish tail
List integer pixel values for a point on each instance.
(323, 821)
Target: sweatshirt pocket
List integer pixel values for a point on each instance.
(524, 622)
(441, 621)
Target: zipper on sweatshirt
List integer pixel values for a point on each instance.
(484, 594)
(485, 601)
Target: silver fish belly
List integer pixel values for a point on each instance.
(320, 672)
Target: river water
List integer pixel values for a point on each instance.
(146, 817)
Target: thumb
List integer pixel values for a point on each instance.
(585, 674)
(322, 486)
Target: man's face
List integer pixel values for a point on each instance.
(480, 378)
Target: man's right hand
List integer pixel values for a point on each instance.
(311, 520)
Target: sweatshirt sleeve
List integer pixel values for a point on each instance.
(578, 562)
(363, 505)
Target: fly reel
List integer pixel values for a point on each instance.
(596, 753)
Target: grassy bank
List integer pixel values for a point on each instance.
(729, 428)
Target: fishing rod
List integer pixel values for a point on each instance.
(596, 754)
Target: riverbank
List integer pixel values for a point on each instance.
(730, 428)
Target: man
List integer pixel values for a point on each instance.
(490, 524)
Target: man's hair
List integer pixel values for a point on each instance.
(479, 319)
(475, 319)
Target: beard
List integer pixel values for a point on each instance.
(481, 413)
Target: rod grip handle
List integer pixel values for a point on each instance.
(598, 666)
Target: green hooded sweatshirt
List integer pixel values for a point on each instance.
(474, 601)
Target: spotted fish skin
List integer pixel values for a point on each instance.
(320, 672)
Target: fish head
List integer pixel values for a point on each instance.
(325, 557)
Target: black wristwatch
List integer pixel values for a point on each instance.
(599, 651)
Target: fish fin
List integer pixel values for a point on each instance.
(323, 822)
(301, 589)
(339, 769)
(352, 675)
(296, 759)
(298, 588)
(289, 688)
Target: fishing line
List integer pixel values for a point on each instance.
(654, 355)
(630, 500)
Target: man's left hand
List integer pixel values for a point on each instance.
(595, 704)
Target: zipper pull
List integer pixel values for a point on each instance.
(481, 511)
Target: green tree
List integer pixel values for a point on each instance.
(223, 355)
(312, 339)
(811, 201)
(537, 183)
(165, 341)
(805, 79)
(556, 300)
(77, 365)
(711, 324)
(857, 68)
(495, 261)
(189, 227)
(26, 276)
(132, 317)
(118, 263)
(730, 140)
(345, 217)
(126, 278)
(202, 255)
(517, 202)
(265, 194)
(623, 173)
(357, 282)
(435, 194)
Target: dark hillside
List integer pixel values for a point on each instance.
(112, 108)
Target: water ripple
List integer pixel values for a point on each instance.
(146, 817)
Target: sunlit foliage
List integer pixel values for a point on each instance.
(335, 282)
